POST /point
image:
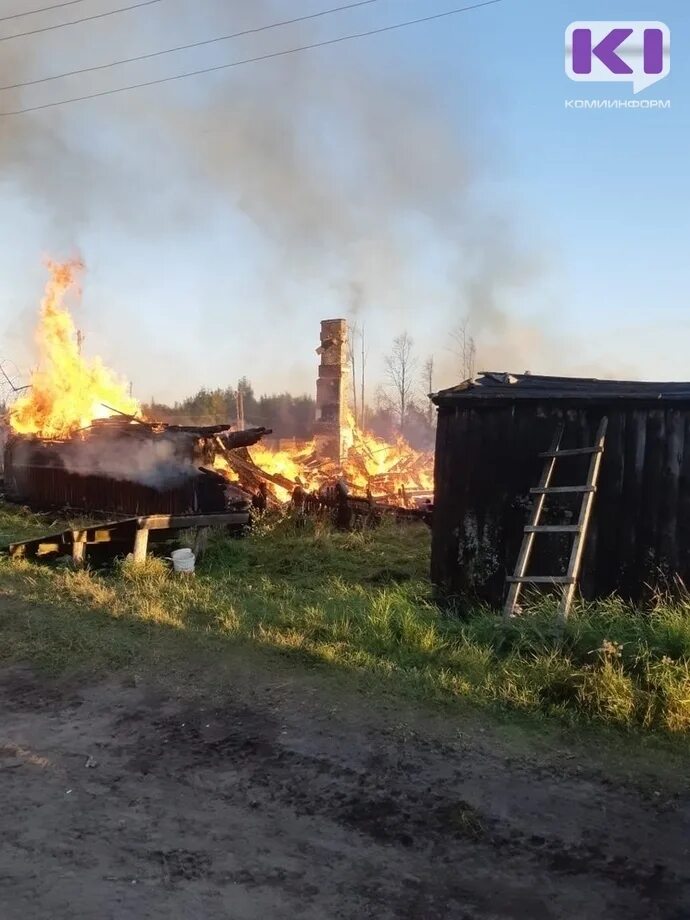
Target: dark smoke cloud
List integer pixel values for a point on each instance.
(323, 154)
(344, 165)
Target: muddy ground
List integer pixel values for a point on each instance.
(285, 799)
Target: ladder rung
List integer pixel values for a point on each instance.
(553, 528)
(541, 580)
(572, 452)
(550, 490)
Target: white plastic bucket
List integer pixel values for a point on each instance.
(183, 560)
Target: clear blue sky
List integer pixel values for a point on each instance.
(407, 179)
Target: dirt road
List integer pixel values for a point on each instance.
(119, 801)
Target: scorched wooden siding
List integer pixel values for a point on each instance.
(487, 460)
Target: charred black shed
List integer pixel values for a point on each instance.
(125, 467)
(490, 432)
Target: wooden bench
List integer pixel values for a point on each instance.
(130, 535)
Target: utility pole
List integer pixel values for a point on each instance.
(429, 387)
(80, 340)
(239, 405)
(352, 334)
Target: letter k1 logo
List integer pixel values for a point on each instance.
(634, 52)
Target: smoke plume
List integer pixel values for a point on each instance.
(341, 166)
(156, 464)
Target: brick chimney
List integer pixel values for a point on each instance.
(331, 395)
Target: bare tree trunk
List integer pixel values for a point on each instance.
(402, 397)
(400, 365)
(363, 362)
(466, 349)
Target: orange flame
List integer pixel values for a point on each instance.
(386, 468)
(68, 392)
(391, 472)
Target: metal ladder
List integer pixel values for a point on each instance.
(544, 488)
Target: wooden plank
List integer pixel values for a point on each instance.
(632, 525)
(245, 467)
(464, 483)
(555, 490)
(75, 541)
(33, 547)
(683, 511)
(107, 533)
(141, 541)
(583, 521)
(669, 492)
(541, 580)
(450, 477)
(650, 506)
(553, 528)
(490, 501)
(571, 452)
(32, 544)
(78, 553)
(528, 539)
(100, 536)
(180, 521)
(599, 566)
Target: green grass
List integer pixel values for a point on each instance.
(360, 602)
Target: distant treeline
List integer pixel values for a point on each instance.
(287, 415)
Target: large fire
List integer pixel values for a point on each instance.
(67, 391)
(390, 472)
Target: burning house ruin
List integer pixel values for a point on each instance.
(370, 470)
(79, 440)
(490, 433)
(120, 466)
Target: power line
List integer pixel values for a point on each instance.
(44, 9)
(74, 22)
(252, 60)
(208, 41)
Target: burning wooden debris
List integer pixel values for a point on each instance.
(374, 471)
(115, 466)
(79, 440)
(375, 476)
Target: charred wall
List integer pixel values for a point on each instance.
(114, 469)
(487, 461)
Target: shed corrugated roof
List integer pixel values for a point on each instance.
(492, 385)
